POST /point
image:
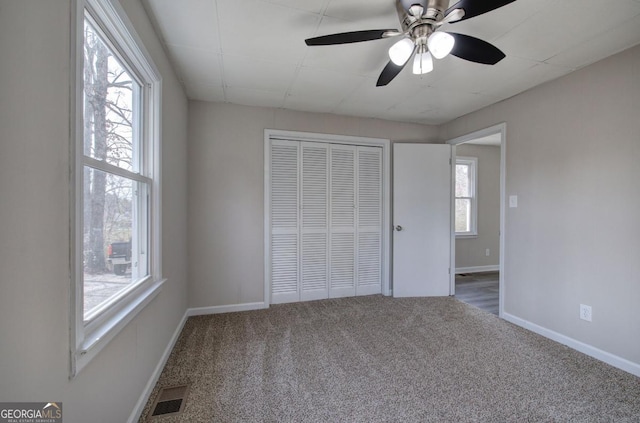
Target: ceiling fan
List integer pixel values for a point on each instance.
(421, 22)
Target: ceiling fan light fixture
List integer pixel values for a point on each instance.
(441, 44)
(423, 63)
(401, 51)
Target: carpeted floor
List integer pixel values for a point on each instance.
(377, 359)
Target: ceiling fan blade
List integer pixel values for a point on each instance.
(352, 37)
(391, 71)
(474, 8)
(388, 73)
(475, 50)
(451, 17)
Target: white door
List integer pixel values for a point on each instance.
(314, 221)
(325, 220)
(369, 217)
(342, 237)
(285, 221)
(422, 220)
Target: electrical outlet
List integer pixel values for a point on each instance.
(585, 312)
(487, 252)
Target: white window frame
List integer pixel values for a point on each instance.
(87, 338)
(472, 162)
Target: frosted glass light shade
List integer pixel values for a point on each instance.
(423, 63)
(440, 44)
(401, 51)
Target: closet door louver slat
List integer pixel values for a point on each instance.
(342, 232)
(314, 224)
(369, 246)
(285, 251)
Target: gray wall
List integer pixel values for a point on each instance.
(572, 157)
(226, 190)
(573, 154)
(34, 224)
(470, 252)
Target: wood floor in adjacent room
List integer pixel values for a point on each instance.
(479, 289)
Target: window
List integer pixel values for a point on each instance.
(117, 249)
(466, 196)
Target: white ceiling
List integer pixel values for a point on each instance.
(252, 52)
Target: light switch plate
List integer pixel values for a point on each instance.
(513, 201)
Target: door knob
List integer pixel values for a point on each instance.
(398, 228)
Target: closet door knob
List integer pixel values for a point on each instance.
(398, 228)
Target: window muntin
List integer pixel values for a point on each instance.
(466, 196)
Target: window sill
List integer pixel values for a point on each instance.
(466, 236)
(101, 335)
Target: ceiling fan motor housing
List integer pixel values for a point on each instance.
(421, 33)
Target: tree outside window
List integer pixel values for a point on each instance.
(114, 203)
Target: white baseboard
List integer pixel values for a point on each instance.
(477, 269)
(200, 311)
(148, 389)
(613, 360)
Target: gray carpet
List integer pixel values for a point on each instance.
(377, 359)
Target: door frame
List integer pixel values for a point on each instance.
(501, 129)
(385, 144)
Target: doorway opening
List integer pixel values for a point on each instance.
(481, 290)
(478, 216)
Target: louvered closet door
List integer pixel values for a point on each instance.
(284, 221)
(314, 196)
(342, 221)
(369, 221)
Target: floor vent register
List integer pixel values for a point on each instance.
(170, 401)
